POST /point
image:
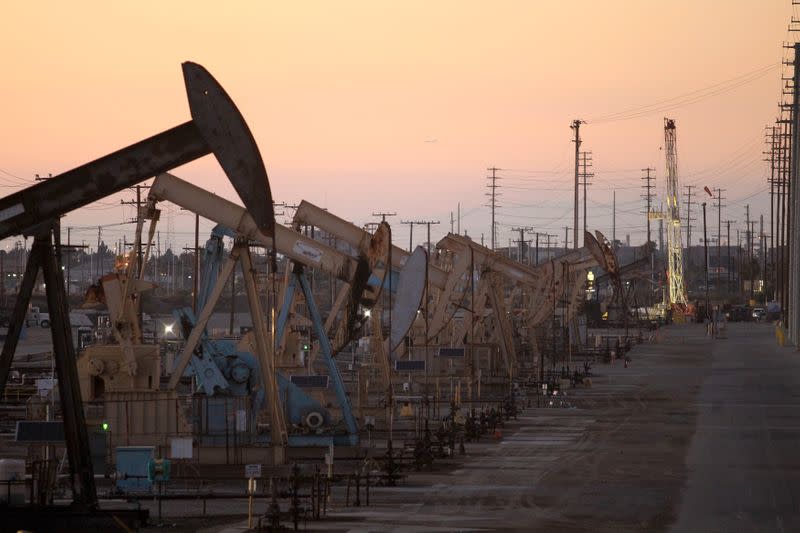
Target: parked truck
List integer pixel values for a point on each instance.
(36, 318)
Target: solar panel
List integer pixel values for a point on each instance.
(40, 431)
(409, 366)
(310, 382)
(451, 352)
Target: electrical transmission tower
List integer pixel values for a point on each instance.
(677, 289)
(493, 186)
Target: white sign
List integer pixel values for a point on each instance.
(181, 448)
(253, 470)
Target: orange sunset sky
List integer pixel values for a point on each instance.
(342, 97)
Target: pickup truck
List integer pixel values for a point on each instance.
(37, 318)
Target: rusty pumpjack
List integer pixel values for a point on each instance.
(216, 127)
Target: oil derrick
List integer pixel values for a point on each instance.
(677, 289)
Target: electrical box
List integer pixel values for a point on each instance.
(133, 468)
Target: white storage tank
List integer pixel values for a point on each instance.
(12, 470)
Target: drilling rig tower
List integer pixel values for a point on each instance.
(677, 289)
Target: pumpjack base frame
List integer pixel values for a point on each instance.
(351, 438)
(322, 441)
(318, 441)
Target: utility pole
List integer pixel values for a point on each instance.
(705, 254)
(770, 137)
(521, 254)
(788, 157)
(493, 186)
(689, 215)
(728, 243)
(763, 260)
(586, 162)
(138, 204)
(793, 90)
(566, 239)
(614, 218)
(740, 284)
(747, 235)
(70, 249)
(719, 206)
(69, 261)
(576, 126)
(100, 265)
(411, 234)
(647, 196)
(196, 264)
(422, 223)
(2, 279)
(383, 215)
(548, 236)
(140, 253)
(428, 224)
(782, 223)
(751, 231)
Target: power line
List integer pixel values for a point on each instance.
(689, 98)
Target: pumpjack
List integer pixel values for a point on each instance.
(364, 274)
(216, 127)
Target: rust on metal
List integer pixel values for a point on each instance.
(594, 247)
(612, 265)
(366, 286)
